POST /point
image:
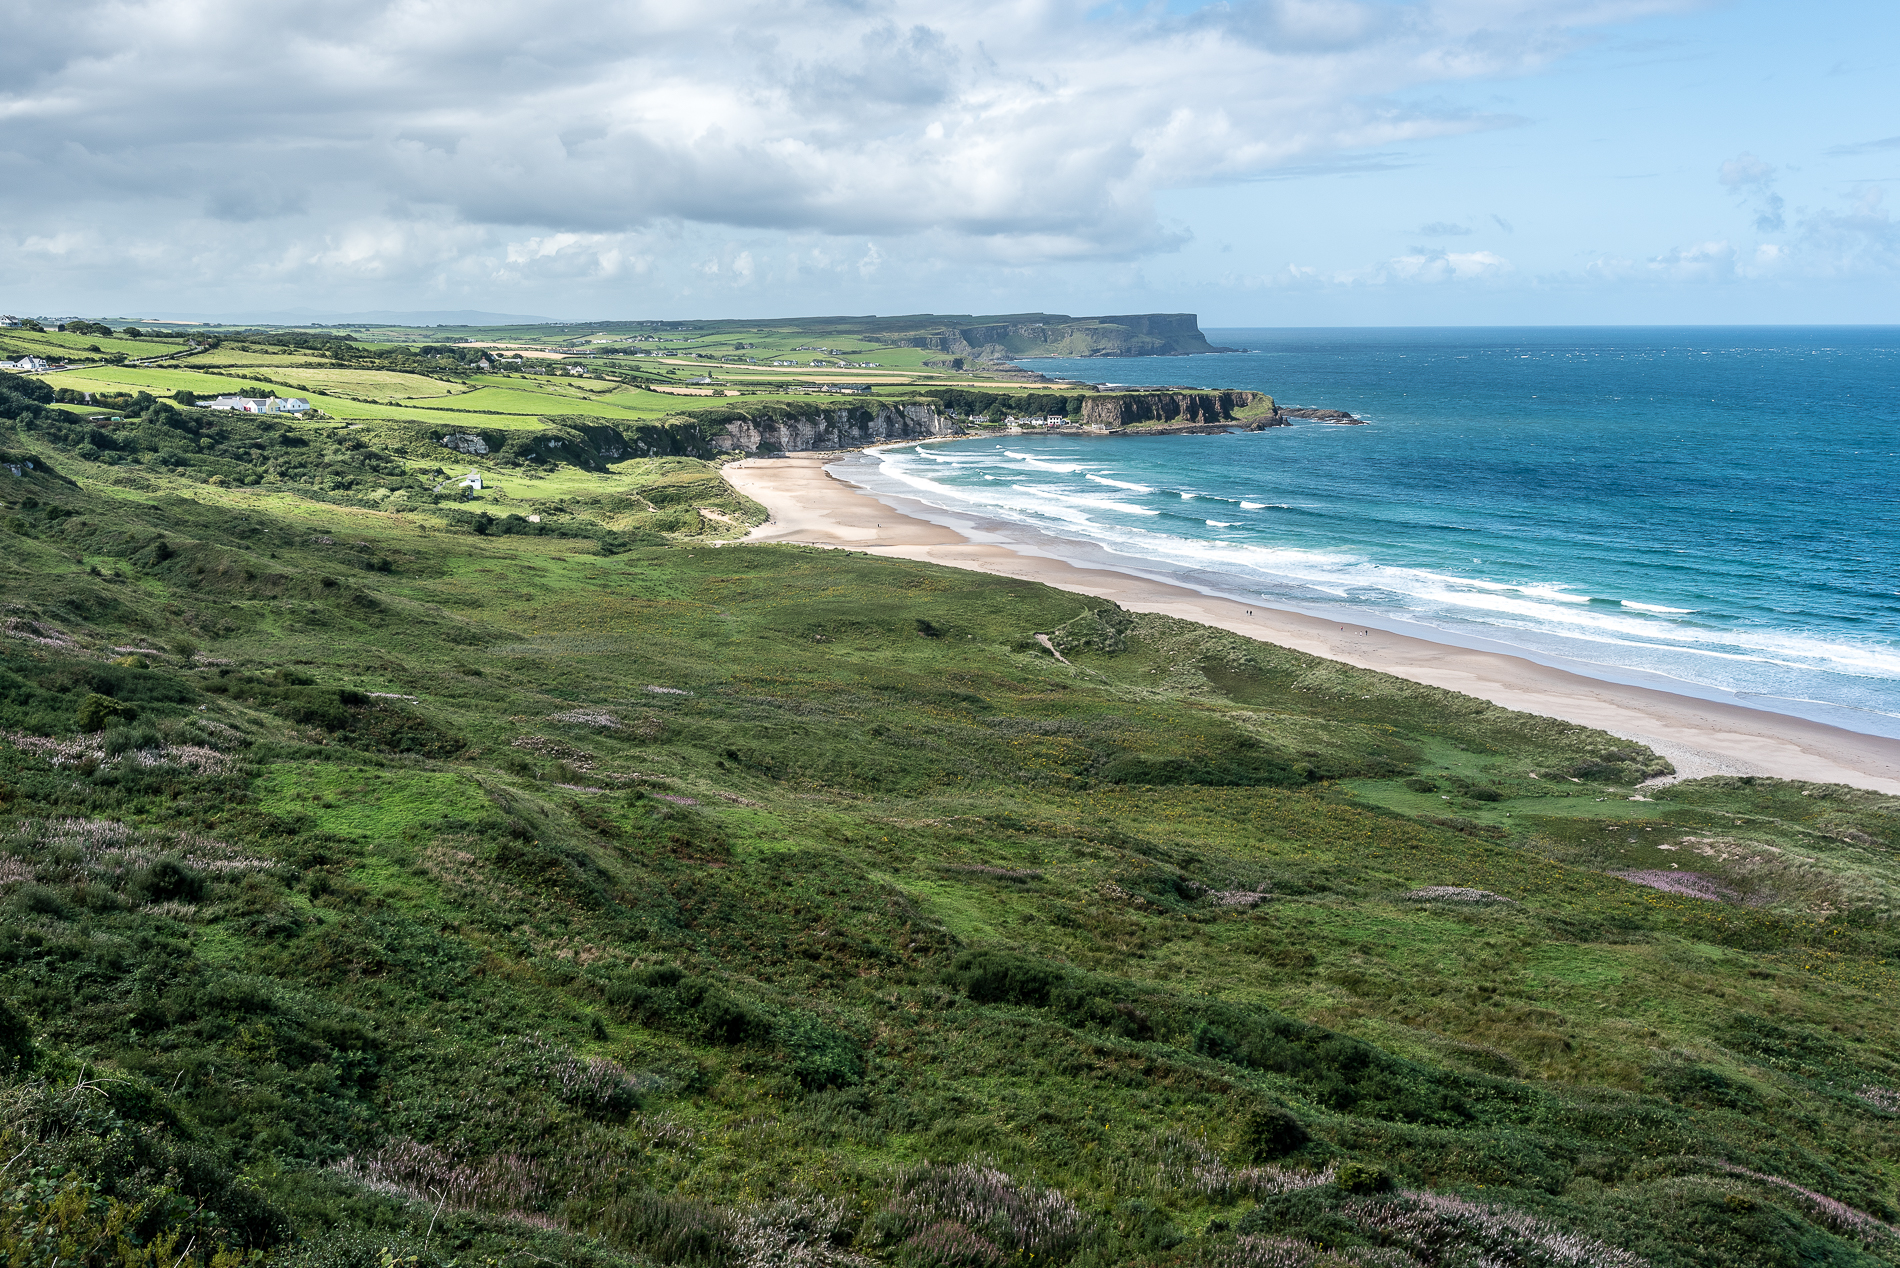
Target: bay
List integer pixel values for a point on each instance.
(1706, 508)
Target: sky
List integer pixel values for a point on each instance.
(1258, 162)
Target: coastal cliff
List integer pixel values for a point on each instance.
(1177, 410)
(851, 427)
(809, 426)
(1057, 335)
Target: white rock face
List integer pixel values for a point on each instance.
(834, 429)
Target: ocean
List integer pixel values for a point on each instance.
(1706, 510)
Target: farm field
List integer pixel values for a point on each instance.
(219, 357)
(519, 400)
(134, 378)
(379, 384)
(53, 344)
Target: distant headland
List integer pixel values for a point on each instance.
(1005, 338)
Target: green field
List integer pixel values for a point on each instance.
(392, 878)
(516, 399)
(133, 378)
(376, 384)
(53, 344)
(232, 356)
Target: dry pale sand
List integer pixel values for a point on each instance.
(812, 506)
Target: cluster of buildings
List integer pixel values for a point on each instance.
(258, 405)
(26, 365)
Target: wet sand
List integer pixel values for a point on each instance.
(1701, 737)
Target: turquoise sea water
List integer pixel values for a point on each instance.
(1707, 509)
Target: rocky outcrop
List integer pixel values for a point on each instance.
(797, 430)
(1177, 410)
(1320, 415)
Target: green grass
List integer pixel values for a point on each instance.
(873, 880)
(364, 803)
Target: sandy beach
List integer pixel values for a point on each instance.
(811, 505)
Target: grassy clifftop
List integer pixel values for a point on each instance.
(384, 883)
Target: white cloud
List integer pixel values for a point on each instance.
(430, 143)
(1753, 183)
(1423, 267)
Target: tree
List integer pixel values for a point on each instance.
(131, 332)
(186, 397)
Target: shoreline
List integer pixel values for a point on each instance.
(810, 505)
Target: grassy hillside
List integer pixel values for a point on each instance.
(425, 885)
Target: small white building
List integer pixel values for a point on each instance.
(8, 319)
(25, 365)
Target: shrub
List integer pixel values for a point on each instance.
(1003, 977)
(168, 880)
(95, 711)
(1361, 1178)
(728, 1020)
(16, 1038)
(128, 739)
(1270, 1132)
(823, 1056)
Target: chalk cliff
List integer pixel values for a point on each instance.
(847, 427)
(805, 426)
(1172, 409)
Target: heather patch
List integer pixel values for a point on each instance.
(151, 866)
(1687, 884)
(1455, 894)
(1433, 1230)
(588, 717)
(973, 1207)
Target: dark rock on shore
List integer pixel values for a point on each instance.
(1321, 415)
